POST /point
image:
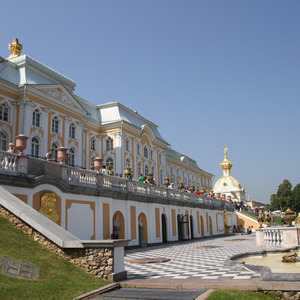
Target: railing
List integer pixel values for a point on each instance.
(273, 237)
(14, 164)
(8, 162)
(81, 176)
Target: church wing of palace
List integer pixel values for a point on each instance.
(40, 103)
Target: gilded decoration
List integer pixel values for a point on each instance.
(48, 207)
(15, 48)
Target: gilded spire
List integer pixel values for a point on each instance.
(226, 164)
(15, 48)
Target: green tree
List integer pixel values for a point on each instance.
(274, 202)
(284, 195)
(296, 198)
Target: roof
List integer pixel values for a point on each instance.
(26, 70)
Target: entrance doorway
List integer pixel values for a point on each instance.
(164, 228)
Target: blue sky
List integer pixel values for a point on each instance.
(209, 73)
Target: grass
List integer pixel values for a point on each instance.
(58, 279)
(237, 295)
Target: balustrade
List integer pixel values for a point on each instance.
(8, 161)
(272, 237)
(9, 164)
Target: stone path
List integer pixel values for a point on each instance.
(198, 259)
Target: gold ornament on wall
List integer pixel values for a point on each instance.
(48, 207)
(15, 48)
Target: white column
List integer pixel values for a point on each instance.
(119, 163)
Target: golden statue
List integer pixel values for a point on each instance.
(48, 207)
(15, 48)
(298, 220)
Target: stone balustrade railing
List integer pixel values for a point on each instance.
(8, 161)
(272, 237)
(17, 165)
(278, 236)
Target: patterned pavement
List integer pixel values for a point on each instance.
(193, 259)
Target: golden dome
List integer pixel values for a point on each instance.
(225, 164)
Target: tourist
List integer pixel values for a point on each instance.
(249, 230)
(142, 178)
(171, 186)
(49, 155)
(223, 197)
(114, 235)
(198, 192)
(104, 170)
(11, 147)
(109, 170)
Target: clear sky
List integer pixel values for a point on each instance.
(208, 73)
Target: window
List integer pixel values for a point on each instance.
(110, 162)
(54, 148)
(161, 177)
(36, 117)
(152, 170)
(146, 170)
(72, 157)
(109, 144)
(92, 162)
(4, 112)
(55, 124)
(3, 141)
(138, 149)
(35, 147)
(127, 145)
(177, 172)
(139, 169)
(93, 143)
(72, 131)
(172, 170)
(151, 154)
(145, 152)
(160, 158)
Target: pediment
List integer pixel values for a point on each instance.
(61, 95)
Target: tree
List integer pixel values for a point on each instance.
(296, 198)
(284, 195)
(274, 202)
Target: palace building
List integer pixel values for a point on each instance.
(41, 103)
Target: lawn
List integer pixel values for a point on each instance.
(58, 279)
(237, 295)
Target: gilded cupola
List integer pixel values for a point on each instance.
(226, 165)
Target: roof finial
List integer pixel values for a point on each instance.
(15, 48)
(225, 151)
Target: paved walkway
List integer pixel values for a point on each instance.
(197, 259)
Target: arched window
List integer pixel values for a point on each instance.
(35, 147)
(110, 162)
(72, 131)
(36, 118)
(146, 170)
(55, 124)
(160, 158)
(109, 144)
(3, 141)
(138, 149)
(4, 112)
(93, 143)
(128, 163)
(161, 177)
(151, 154)
(127, 145)
(146, 151)
(92, 162)
(72, 157)
(54, 148)
(140, 168)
